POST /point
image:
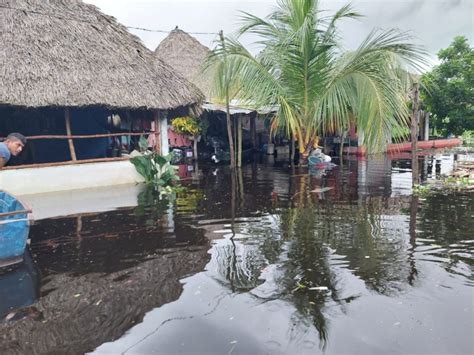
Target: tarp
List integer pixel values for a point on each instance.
(14, 229)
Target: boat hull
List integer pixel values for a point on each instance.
(14, 229)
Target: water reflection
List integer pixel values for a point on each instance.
(341, 262)
(101, 273)
(19, 289)
(369, 236)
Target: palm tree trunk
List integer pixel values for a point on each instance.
(229, 133)
(307, 147)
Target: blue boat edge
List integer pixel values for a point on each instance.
(14, 229)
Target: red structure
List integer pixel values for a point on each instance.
(178, 140)
(406, 146)
(424, 145)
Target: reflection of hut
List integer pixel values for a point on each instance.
(187, 55)
(91, 294)
(66, 67)
(81, 313)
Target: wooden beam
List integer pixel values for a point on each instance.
(14, 213)
(88, 136)
(67, 118)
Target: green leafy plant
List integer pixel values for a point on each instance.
(450, 97)
(421, 190)
(155, 169)
(468, 138)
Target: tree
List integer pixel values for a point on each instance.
(224, 83)
(450, 96)
(317, 87)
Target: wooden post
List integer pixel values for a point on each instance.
(164, 144)
(414, 135)
(426, 127)
(253, 130)
(239, 140)
(292, 150)
(156, 120)
(195, 146)
(341, 147)
(412, 231)
(67, 117)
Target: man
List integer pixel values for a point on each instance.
(13, 145)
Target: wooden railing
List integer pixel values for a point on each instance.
(73, 156)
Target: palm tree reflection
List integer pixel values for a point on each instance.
(310, 237)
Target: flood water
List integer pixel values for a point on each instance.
(268, 261)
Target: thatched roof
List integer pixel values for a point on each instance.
(68, 53)
(186, 55)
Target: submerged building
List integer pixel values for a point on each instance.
(82, 89)
(187, 56)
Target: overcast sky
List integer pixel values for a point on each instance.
(433, 22)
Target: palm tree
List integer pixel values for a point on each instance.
(224, 84)
(318, 87)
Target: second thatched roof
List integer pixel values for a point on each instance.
(186, 55)
(67, 53)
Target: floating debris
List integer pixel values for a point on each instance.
(318, 288)
(321, 189)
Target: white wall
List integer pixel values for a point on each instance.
(68, 177)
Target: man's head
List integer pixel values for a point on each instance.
(15, 143)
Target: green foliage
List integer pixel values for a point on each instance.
(317, 87)
(468, 138)
(446, 184)
(188, 200)
(143, 144)
(151, 204)
(450, 97)
(421, 190)
(155, 169)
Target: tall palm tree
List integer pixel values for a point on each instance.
(224, 84)
(318, 87)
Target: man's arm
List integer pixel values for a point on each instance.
(2, 162)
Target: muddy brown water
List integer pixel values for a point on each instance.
(268, 261)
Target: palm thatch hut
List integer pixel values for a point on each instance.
(66, 58)
(186, 55)
(69, 54)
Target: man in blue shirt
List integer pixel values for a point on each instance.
(13, 145)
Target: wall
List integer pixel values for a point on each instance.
(68, 177)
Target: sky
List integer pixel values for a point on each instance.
(434, 23)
